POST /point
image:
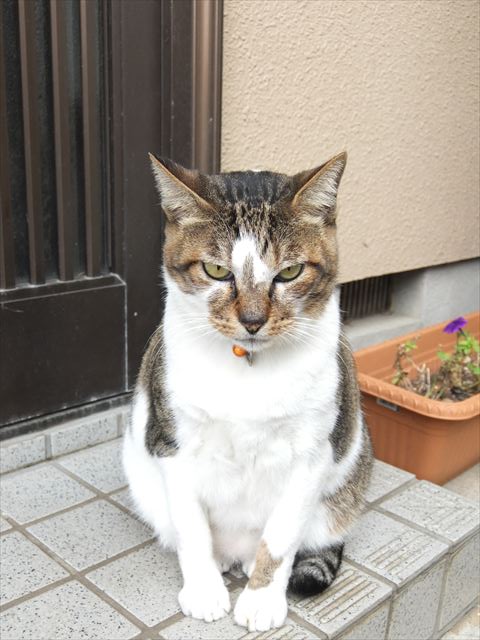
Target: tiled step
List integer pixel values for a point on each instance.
(74, 435)
(411, 565)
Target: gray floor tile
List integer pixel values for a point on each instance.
(146, 582)
(25, 567)
(123, 498)
(4, 525)
(436, 509)
(390, 548)
(21, 452)
(100, 466)
(415, 608)
(386, 479)
(462, 581)
(27, 495)
(468, 628)
(467, 484)
(84, 432)
(89, 534)
(350, 598)
(373, 627)
(191, 628)
(226, 628)
(124, 420)
(69, 611)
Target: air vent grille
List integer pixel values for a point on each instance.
(365, 297)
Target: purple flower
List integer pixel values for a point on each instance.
(455, 325)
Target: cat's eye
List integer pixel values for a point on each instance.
(216, 271)
(289, 273)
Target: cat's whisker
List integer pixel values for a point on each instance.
(306, 331)
(303, 332)
(192, 320)
(197, 329)
(298, 338)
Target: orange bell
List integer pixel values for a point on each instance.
(239, 351)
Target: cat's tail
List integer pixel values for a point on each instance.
(314, 571)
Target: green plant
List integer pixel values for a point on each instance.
(457, 376)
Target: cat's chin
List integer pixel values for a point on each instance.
(254, 345)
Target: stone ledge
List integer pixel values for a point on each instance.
(23, 451)
(429, 572)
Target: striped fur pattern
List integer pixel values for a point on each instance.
(313, 572)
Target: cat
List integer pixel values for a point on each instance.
(247, 443)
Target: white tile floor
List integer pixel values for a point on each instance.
(76, 563)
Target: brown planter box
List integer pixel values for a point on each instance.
(435, 440)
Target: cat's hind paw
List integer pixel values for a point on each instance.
(208, 600)
(261, 609)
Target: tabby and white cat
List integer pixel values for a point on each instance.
(263, 465)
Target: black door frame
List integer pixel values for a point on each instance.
(182, 75)
(164, 91)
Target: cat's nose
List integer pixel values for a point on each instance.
(252, 323)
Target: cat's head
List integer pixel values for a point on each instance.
(258, 249)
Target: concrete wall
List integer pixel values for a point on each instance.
(393, 82)
(419, 299)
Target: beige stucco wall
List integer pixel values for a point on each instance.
(396, 83)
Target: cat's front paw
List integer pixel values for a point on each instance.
(206, 600)
(261, 609)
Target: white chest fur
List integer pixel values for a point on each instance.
(242, 427)
(206, 381)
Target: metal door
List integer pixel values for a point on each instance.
(88, 87)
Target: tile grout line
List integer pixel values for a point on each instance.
(413, 525)
(79, 576)
(11, 522)
(234, 582)
(393, 493)
(82, 575)
(48, 447)
(308, 626)
(444, 557)
(116, 606)
(168, 622)
(36, 592)
(118, 413)
(50, 554)
(448, 564)
(55, 458)
(60, 512)
(370, 572)
(390, 613)
(75, 574)
(443, 588)
(122, 554)
(100, 494)
(457, 618)
(145, 631)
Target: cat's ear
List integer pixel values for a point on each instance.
(316, 190)
(178, 188)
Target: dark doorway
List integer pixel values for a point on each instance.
(87, 89)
